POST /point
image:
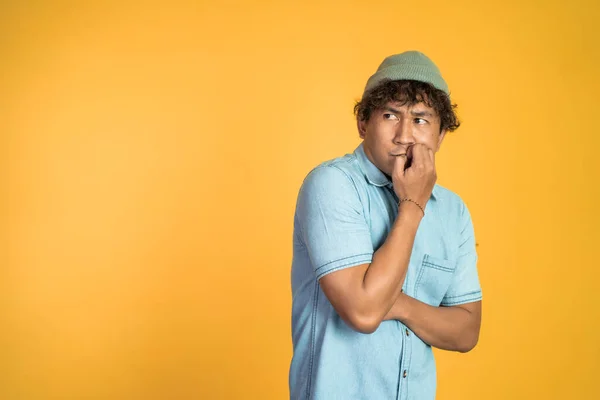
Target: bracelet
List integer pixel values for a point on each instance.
(412, 201)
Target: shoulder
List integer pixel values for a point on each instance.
(450, 203)
(335, 175)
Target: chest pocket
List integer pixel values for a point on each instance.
(433, 279)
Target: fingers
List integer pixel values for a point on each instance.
(421, 156)
(401, 163)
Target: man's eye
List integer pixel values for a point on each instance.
(420, 121)
(389, 116)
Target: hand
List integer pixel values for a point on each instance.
(414, 175)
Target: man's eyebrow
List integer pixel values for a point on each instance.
(421, 114)
(388, 108)
(413, 113)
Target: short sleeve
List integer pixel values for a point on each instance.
(332, 222)
(465, 287)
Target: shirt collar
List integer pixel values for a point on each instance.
(373, 174)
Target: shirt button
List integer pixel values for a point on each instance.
(407, 332)
(405, 374)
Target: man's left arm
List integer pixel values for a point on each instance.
(455, 324)
(454, 328)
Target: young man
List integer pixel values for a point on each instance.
(384, 263)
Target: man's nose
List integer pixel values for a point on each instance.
(404, 134)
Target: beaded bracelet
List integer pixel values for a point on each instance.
(412, 201)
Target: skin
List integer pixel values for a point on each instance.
(401, 140)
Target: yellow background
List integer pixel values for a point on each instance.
(151, 155)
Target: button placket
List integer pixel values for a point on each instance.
(405, 365)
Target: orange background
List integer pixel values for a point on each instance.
(151, 154)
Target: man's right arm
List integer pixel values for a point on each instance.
(363, 295)
(362, 291)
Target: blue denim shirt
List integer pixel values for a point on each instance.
(345, 209)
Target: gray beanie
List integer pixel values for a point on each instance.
(410, 65)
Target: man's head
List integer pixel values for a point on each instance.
(405, 102)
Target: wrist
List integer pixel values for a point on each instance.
(402, 307)
(410, 210)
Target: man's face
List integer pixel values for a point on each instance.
(393, 129)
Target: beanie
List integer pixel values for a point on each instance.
(410, 65)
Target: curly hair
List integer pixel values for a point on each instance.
(408, 92)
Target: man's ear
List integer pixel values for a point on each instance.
(440, 140)
(362, 127)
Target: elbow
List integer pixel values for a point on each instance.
(366, 324)
(468, 344)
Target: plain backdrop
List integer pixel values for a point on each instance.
(151, 154)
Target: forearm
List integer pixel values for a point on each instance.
(447, 328)
(385, 275)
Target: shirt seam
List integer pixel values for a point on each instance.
(474, 292)
(312, 342)
(419, 277)
(342, 259)
(463, 299)
(438, 267)
(356, 262)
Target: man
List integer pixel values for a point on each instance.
(384, 263)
